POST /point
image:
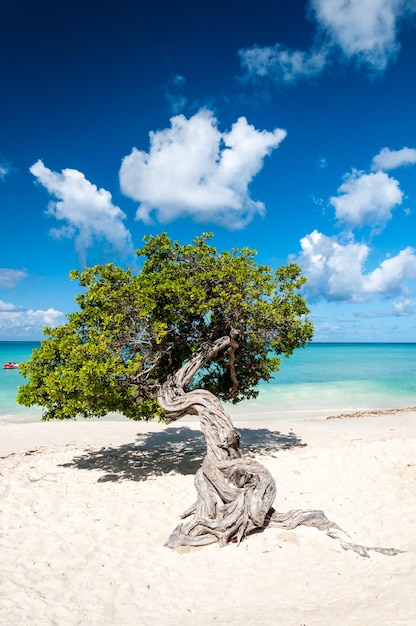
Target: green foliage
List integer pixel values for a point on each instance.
(133, 332)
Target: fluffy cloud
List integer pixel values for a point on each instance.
(366, 199)
(364, 31)
(9, 278)
(28, 324)
(390, 159)
(88, 211)
(333, 270)
(7, 306)
(388, 278)
(336, 271)
(194, 170)
(403, 307)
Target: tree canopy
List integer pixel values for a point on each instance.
(133, 332)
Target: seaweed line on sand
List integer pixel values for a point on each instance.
(374, 412)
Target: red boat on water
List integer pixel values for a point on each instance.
(11, 365)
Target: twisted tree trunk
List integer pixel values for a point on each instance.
(235, 494)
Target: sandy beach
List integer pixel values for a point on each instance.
(87, 506)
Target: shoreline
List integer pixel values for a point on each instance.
(86, 508)
(252, 416)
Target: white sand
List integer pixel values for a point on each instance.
(87, 506)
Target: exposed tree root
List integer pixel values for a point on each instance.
(235, 494)
(234, 498)
(318, 520)
(241, 509)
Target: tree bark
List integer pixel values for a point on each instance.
(234, 494)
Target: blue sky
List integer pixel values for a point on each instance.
(288, 127)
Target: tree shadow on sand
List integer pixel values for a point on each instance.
(175, 450)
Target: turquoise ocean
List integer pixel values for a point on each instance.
(322, 379)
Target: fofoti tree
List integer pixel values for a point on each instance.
(193, 328)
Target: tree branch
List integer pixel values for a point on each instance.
(231, 351)
(207, 352)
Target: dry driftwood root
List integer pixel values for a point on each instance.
(318, 520)
(235, 494)
(234, 498)
(245, 512)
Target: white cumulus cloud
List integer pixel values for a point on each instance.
(336, 271)
(88, 212)
(194, 170)
(363, 31)
(7, 306)
(333, 270)
(28, 324)
(366, 199)
(404, 306)
(388, 159)
(388, 278)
